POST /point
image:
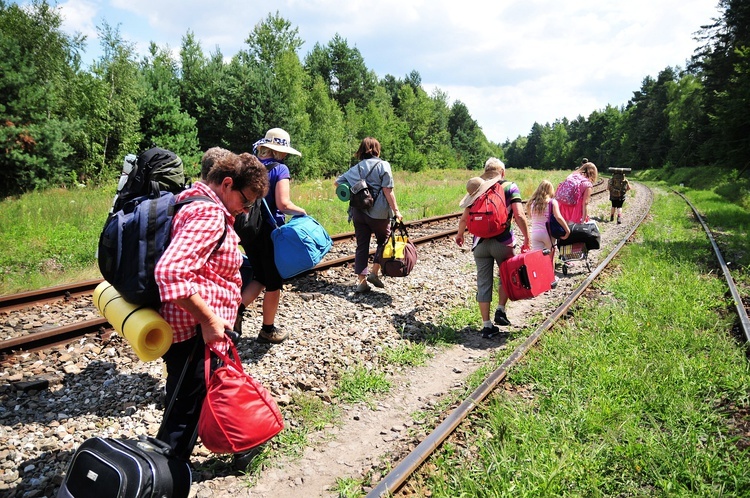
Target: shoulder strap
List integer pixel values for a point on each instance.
(271, 217)
(204, 198)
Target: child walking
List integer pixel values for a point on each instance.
(542, 206)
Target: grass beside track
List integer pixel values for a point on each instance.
(643, 392)
(49, 238)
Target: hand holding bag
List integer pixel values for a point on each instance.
(238, 413)
(399, 254)
(298, 245)
(554, 228)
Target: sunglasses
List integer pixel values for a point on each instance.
(247, 202)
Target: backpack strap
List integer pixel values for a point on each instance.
(178, 204)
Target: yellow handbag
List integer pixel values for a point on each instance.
(399, 254)
(394, 248)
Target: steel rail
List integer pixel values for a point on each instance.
(53, 336)
(59, 335)
(396, 477)
(12, 302)
(741, 312)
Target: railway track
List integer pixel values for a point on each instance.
(421, 231)
(431, 229)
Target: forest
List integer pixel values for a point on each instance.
(62, 124)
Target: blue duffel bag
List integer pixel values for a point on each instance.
(299, 245)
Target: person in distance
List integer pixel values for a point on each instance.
(618, 187)
(574, 193)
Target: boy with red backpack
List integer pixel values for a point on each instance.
(489, 206)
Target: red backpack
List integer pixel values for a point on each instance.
(488, 215)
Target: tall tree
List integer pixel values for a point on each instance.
(38, 68)
(118, 70)
(343, 69)
(272, 37)
(163, 122)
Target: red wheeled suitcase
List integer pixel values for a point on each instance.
(527, 275)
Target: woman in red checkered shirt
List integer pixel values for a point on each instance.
(199, 283)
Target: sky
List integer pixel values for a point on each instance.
(511, 62)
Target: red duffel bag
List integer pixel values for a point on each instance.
(238, 413)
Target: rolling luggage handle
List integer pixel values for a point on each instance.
(170, 405)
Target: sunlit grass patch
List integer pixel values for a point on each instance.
(359, 384)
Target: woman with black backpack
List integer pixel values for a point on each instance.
(373, 215)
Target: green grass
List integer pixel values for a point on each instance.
(50, 238)
(407, 354)
(360, 384)
(636, 395)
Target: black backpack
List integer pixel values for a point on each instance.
(138, 227)
(133, 240)
(248, 225)
(154, 171)
(361, 192)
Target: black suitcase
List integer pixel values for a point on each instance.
(588, 233)
(126, 468)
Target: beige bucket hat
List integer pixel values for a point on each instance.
(278, 140)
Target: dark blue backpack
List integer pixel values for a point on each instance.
(133, 240)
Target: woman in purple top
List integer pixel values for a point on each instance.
(271, 150)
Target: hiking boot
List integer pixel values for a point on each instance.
(501, 318)
(238, 321)
(490, 332)
(240, 461)
(362, 287)
(375, 280)
(619, 220)
(273, 336)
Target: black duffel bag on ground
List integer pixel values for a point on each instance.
(587, 233)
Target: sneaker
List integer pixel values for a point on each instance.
(501, 318)
(274, 336)
(619, 220)
(554, 283)
(375, 280)
(362, 287)
(490, 332)
(612, 218)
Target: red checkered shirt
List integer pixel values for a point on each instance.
(192, 263)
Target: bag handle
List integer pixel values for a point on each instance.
(232, 359)
(271, 217)
(397, 224)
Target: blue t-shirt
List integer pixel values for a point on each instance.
(276, 171)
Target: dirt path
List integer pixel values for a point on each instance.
(365, 436)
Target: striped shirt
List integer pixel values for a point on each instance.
(192, 263)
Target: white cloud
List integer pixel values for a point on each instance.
(512, 62)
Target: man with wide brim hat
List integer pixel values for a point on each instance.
(278, 140)
(494, 250)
